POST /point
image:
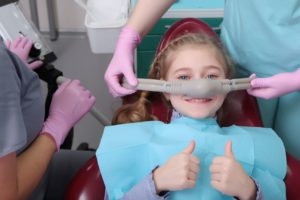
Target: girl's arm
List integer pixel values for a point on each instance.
(143, 190)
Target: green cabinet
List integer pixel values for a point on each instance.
(146, 50)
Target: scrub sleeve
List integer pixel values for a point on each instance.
(263, 38)
(21, 119)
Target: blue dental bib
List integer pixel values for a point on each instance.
(129, 152)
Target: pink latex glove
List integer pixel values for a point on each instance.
(122, 63)
(21, 47)
(69, 104)
(276, 85)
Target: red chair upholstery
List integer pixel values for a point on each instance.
(239, 108)
(87, 184)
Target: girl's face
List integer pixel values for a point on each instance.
(194, 62)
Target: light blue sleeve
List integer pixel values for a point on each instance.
(143, 190)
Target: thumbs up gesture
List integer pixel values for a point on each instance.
(228, 176)
(179, 172)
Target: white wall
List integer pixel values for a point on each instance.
(70, 17)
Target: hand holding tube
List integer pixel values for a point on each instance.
(21, 47)
(69, 104)
(276, 85)
(122, 63)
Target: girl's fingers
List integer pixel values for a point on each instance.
(217, 168)
(194, 167)
(194, 159)
(192, 176)
(216, 184)
(216, 177)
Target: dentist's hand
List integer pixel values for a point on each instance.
(276, 85)
(21, 47)
(179, 172)
(69, 104)
(228, 176)
(122, 63)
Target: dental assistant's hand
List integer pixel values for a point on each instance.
(122, 63)
(21, 47)
(69, 104)
(179, 172)
(276, 85)
(228, 176)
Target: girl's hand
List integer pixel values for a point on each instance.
(228, 176)
(179, 172)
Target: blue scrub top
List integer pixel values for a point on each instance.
(21, 103)
(262, 36)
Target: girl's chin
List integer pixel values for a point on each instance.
(199, 115)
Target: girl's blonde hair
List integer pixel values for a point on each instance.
(137, 107)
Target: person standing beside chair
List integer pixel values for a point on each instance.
(28, 143)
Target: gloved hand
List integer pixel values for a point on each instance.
(21, 47)
(69, 104)
(276, 85)
(122, 63)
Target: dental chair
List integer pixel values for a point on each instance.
(242, 110)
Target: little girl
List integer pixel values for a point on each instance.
(192, 157)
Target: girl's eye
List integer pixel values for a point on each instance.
(212, 76)
(183, 77)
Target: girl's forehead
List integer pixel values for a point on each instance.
(199, 48)
(195, 55)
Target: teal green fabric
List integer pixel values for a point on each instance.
(127, 153)
(262, 36)
(287, 122)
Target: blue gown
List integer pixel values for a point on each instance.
(262, 36)
(127, 153)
